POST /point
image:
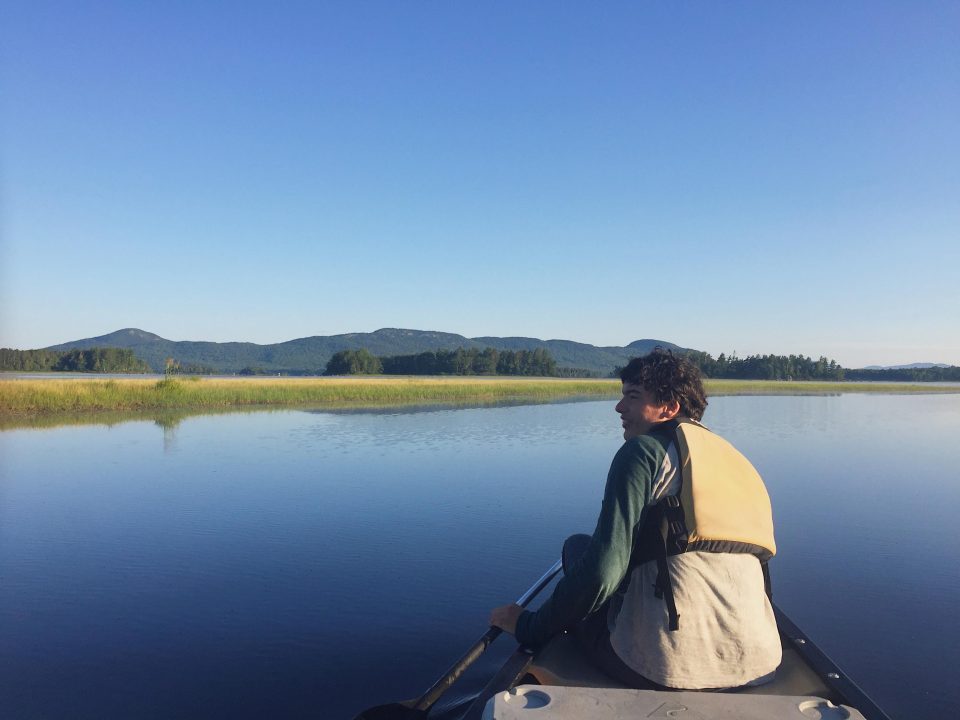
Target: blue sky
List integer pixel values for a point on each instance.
(758, 177)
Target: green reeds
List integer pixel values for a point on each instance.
(72, 396)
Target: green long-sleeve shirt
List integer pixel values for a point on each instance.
(591, 580)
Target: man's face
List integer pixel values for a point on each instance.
(639, 412)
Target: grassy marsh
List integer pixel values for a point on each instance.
(36, 397)
(30, 397)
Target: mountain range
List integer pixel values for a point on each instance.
(310, 354)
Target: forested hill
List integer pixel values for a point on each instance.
(310, 354)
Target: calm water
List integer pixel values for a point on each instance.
(301, 564)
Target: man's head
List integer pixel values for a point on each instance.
(659, 387)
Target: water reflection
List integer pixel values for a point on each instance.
(163, 418)
(270, 563)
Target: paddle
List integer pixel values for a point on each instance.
(418, 709)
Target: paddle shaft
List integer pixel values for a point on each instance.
(427, 700)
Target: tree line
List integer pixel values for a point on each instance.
(799, 367)
(461, 361)
(766, 367)
(931, 374)
(98, 360)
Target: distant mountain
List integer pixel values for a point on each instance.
(911, 366)
(311, 354)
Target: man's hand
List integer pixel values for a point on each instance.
(505, 617)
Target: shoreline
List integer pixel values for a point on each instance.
(25, 398)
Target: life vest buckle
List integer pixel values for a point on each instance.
(673, 501)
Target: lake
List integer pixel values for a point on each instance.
(297, 564)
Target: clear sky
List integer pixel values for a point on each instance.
(758, 177)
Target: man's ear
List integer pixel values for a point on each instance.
(669, 410)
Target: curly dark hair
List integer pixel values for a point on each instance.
(668, 377)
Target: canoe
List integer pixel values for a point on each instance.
(557, 682)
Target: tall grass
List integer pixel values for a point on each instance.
(41, 397)
(71, 396)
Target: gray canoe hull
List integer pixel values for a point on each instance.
(804, 672)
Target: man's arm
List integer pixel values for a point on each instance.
(592, 579)
(505, 617)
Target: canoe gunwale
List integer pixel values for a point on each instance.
(827, 670)
(833, 683)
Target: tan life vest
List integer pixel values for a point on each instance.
(722, 506)
(725, 504)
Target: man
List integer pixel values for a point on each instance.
(626, 587)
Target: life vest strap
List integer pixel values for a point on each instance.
(663, 585)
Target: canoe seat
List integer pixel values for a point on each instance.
(560, 662)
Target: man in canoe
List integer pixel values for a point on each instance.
(670, 591)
